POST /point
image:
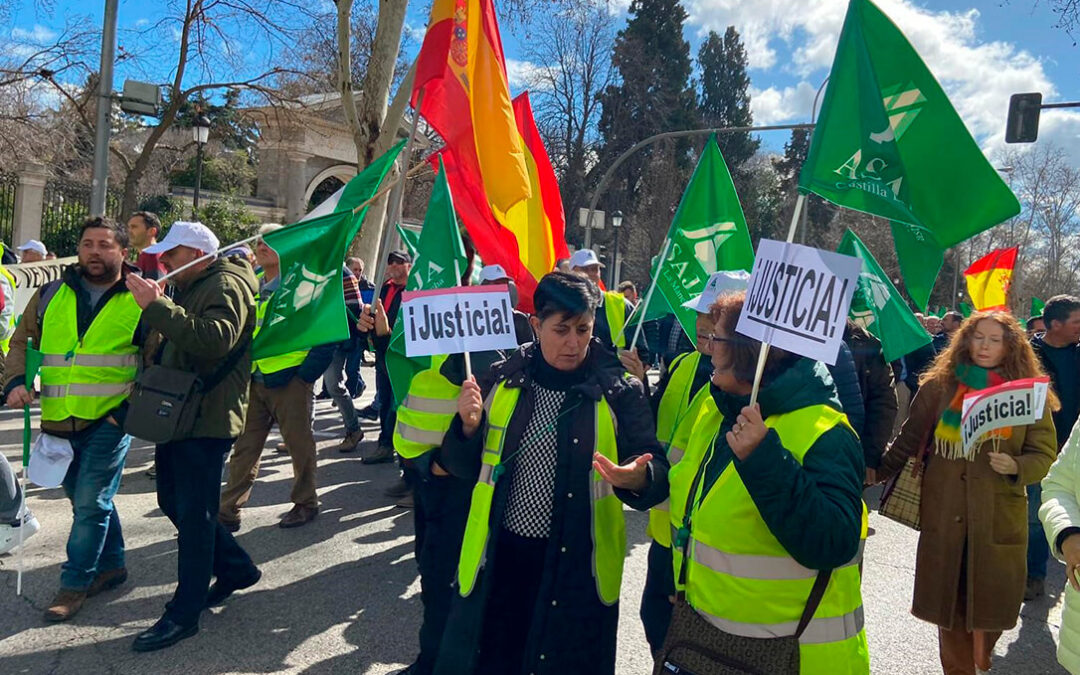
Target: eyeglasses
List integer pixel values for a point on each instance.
(711, 339)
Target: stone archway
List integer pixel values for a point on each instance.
(305, 143)
(343, 172)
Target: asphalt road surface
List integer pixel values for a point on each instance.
(341, 595)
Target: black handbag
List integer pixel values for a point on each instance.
(694, 646)
(165, 402)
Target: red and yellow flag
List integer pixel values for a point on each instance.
(537, 223)
(989, 277)
(461, 74)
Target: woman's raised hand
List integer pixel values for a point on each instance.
(634, 475)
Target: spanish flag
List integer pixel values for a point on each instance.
(989, 277)
(462, 91)
(537, 223)
(528, 239)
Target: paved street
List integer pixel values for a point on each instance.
(341, 595)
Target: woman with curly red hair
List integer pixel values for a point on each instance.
(970, 568)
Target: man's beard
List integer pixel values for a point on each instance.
(109, 273)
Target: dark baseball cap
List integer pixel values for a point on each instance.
(398, 257)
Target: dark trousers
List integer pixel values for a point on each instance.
(1038, 551)
(387, 408)
(442, 508)
(188, 492)
(655, 603)
(354, 380)
(511, 603)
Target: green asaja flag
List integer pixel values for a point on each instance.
(708, 234)
(409, 239)
(966, 309)
(440, 261)
(877, 306)
(1037, 306)
(889, 143)
(920, 260)
(308, 308)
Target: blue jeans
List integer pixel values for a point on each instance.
(354, 380)
(334, 384)
(1038, 550)
(96, 543)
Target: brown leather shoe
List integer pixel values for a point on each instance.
(299, 515)
(65, 605)
(383, 453)
(351, 441)
(107, 580)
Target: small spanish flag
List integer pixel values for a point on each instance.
(989, 277)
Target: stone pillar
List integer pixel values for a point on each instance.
(296, 180)
(29, 202)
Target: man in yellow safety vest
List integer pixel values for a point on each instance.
(87, 325)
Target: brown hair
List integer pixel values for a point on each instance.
(742, 352)
(1019, 360)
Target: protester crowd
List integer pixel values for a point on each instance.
(518, 463)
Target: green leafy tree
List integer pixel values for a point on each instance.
(653, 93)
(725, 96)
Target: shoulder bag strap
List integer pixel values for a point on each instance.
(812, 603)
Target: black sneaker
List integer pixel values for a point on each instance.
(368, 413)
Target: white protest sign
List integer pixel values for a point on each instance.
(1013, 404)
(456, 320)
(29, 277)
(798, 298)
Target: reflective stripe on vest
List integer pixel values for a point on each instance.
(608, 525)
(424, 416)
(273, 364)
(87, 378)
(674, 422)
(615, 312)
(740, 578)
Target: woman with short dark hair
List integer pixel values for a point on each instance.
(557, 438)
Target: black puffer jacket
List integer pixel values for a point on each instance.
(878, 392)
(573, 632)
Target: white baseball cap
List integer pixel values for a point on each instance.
(192, 235)
(49, 460)
(493, 273)
(719, 284)
(583, 257)
(34, 245)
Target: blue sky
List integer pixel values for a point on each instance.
(981, 50)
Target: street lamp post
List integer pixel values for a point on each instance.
(200, 131)
(616, 224)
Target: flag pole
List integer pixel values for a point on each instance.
(397, 201)
(649, 294)
(763, 355)
(468, 360)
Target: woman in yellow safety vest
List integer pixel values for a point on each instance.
(558, 437)
(767, 519)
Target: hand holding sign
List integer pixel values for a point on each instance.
(470, 406)
(1004, 464)
(747, 432)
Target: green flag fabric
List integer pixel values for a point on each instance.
(409, 238)
(440, 261)
(33, 365)
(965, 309)
(708, 234)
(308, 308)
(888, 142)
(920, 260)
(877, 306)
(1037, 306)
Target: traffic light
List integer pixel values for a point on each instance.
(1023, 123)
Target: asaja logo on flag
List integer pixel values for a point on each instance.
(875, 168)
(300, 288)
(871, 297)
(693, 255)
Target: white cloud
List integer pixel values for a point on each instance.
(978, 76)
(520, 74)
(37, 35)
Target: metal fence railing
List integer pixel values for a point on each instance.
(65, 206)
(8, 181)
